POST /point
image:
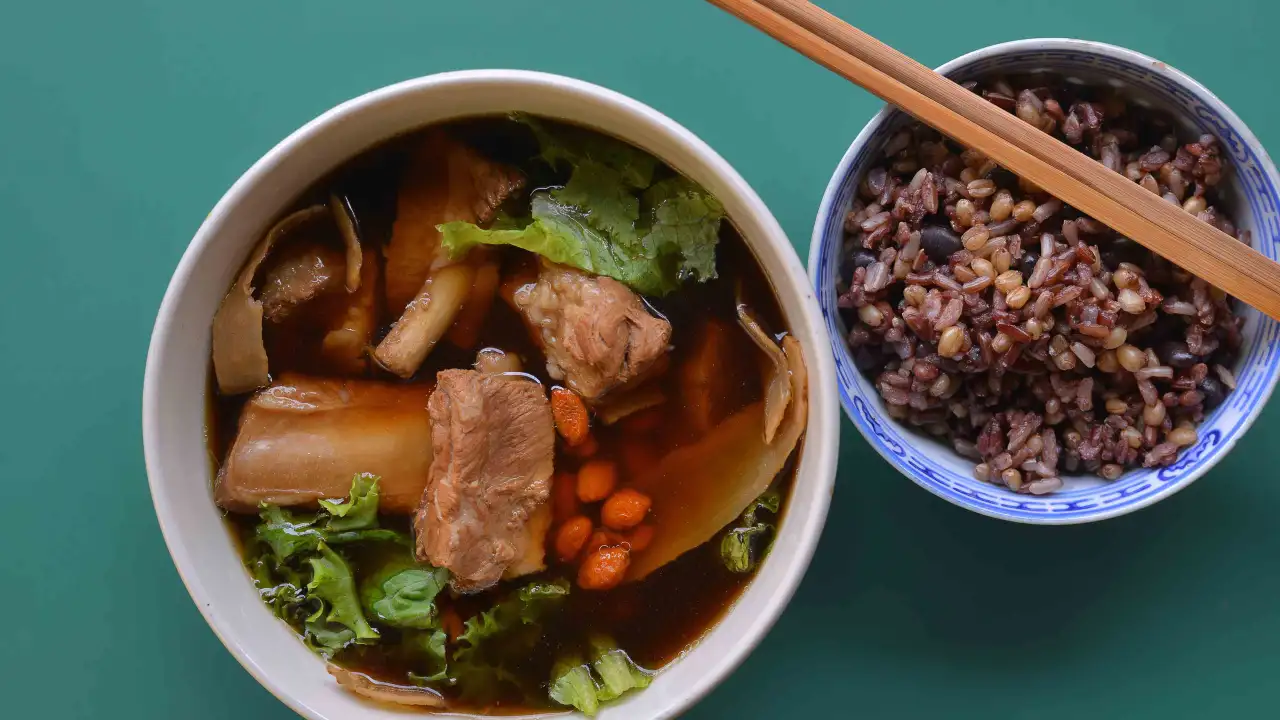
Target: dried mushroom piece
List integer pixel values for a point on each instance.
(345, 218)
(777, 394)
(239, 357)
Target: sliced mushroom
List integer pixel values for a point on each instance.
(345, 218)
(239, 357)
(777, 394)
(367, 687)
(698, 489)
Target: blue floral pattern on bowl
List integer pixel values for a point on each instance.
(1254, 190)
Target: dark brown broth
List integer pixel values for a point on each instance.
(653, 620)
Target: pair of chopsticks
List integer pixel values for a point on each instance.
(1052, 165)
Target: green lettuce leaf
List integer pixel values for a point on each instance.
(684, 223)
(742, 548)
(403, 593)
(558, 232)
(573, 682)
(678, 243)
(333, 584)
(503, 636)
(573, 686)
(610, 205)
(430, 647)
(285, 534)
(289, 536)
(610, 218)
(575, 146)
(327, 638)
(339, 522)
(359, 510)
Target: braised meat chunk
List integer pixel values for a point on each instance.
(484, 512)
(596, 333)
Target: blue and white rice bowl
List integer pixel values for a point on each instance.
(1252, 191)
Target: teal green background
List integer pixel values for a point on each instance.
(122, 123)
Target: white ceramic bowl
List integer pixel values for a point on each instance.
(174, 393)
(1253, 194)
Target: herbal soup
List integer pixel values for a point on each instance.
(505, 417)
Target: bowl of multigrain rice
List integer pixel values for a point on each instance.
(1014, 356)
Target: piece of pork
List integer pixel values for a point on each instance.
(303, 438)
(596, 333)
(302, 275)
(444, 181)
(484, 513)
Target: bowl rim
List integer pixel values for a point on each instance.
(1089, 47)
(819, 449)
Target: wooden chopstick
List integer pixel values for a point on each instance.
(1054, 166)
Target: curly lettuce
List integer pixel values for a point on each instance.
(359, 510)
(744, 545)
(402, 594)
(333, 585)
(610, 674)
(309, 584)
(610, 218)
(503, 637)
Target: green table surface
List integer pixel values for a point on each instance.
(121, 124)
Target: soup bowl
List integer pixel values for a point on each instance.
(1252, 197)
(176, 394)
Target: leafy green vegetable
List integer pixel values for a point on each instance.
(501, 636)
(327, 638)
(610, 218)
(402, 594)
(616, 670)
(612, 207)
(572, 685)
(333, 584)
(572, 681)
(360, 509)
(574, 146)
(288, 536)
(740, 549)
(431, 647)
(284, 534)
(339, 523)
(685, 223)
(310, 586)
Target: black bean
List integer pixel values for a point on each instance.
(1120, 250)
(864, 359)
(1214, 392)
(938, 242)
(1028, 263)
(1177, 355)
(862, 258)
